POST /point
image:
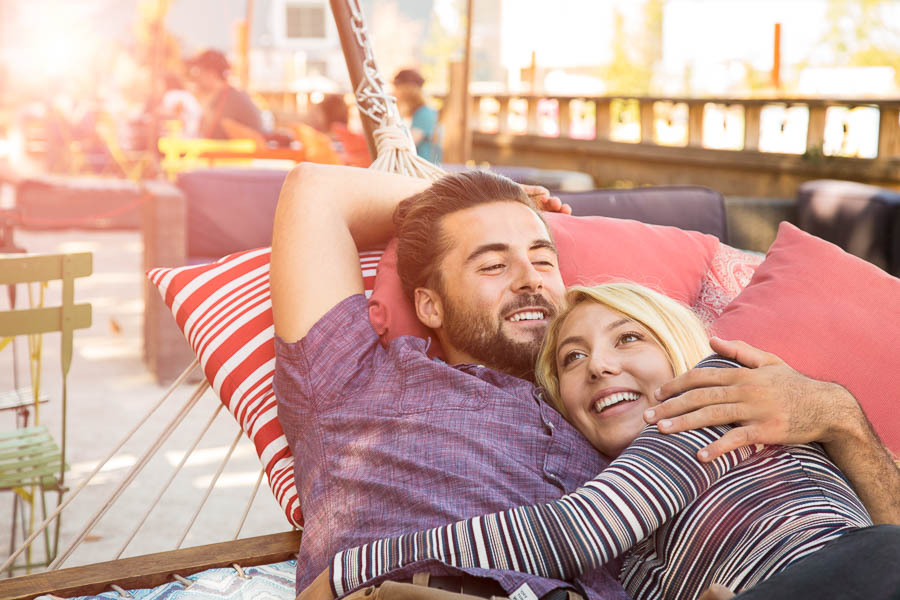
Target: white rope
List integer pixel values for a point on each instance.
(135, 470)
(175, 473)
(212, 484)
(393, 143)
(250, 503)
(96, 470)
(397, 152)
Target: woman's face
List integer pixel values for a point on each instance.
(609, 367)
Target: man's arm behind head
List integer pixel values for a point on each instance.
(324, 214)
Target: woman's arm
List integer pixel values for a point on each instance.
(652, 480)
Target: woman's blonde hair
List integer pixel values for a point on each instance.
(673, 326)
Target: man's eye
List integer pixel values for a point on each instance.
(544, 263)
(492, 267)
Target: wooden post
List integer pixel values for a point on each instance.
(888, 132)
(531, 127)
(695, 123)
(454, 106)
(503, 115)
(354, 56)
(601, 118)
(465, 125)
(752, 113)
(776, 58)
(815, 130)
(473, 119)
(648, 133)
(564, 108)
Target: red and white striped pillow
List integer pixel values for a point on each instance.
(225, 311)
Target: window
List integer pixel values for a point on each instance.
(304, 21)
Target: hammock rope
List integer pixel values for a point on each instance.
(174, 474)
(259, 479)
(396, 151)
(212, 484)
(135, 470)
(175, 385)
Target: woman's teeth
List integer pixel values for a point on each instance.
(599, 405)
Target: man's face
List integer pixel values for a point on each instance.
(500, 286)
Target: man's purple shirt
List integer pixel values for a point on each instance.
(387, 441)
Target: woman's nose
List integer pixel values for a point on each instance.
(604, 364)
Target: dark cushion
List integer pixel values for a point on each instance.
(862, 219)
(690, 207)
(229, 210)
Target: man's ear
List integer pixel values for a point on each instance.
(429, 307)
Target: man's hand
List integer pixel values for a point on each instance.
(768, 403)
(544, 201)
(771, 403)
(319, 589)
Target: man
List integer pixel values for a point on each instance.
(392, 442)
(424, 126)
(227, 111)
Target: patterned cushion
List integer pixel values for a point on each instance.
(224, 311)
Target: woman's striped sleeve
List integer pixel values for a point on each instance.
(652, 480)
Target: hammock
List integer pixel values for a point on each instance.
(395, 153)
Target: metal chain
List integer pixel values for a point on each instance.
(371, 97)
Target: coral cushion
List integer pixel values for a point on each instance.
(225, 311)
(831, 316)
(591, 250)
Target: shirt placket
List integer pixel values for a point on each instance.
(556, 457)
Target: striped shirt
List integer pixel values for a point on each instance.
(683, 524)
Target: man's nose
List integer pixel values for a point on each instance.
(528, 278)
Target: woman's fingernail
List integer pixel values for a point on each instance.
(704, 454)
(658, 393)
(649, 413)
(665, 423)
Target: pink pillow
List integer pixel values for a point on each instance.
(831, 316)
(591, 250)
(225, 312)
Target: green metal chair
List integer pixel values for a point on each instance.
(32, 464)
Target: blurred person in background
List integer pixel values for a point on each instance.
(423, 119)
(227, 111)
(180, 105)
(333, 116)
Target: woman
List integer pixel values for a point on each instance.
(684, 525)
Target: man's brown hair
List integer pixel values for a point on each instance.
(422, 243)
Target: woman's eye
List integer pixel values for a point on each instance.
(572, 356)
(630, 337)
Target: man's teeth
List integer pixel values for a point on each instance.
(599, 405)
(527, 316)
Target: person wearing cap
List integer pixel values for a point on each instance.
(424, 126)
(227, 111)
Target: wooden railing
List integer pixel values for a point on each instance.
(854, 128)
(740, 146)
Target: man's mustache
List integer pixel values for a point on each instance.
(529, 301)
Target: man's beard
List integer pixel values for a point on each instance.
(481, 336)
